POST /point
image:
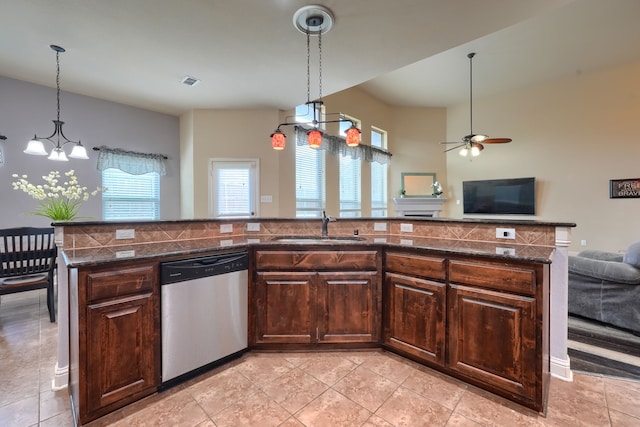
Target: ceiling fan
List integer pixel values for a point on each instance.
(473, 143)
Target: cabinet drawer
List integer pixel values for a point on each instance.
(416, 265)
(316, 260)
(514, 279)
(119, 282)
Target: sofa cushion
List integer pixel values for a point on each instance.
(616, 272)
(632, 255)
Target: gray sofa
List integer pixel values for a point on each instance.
(605, 286)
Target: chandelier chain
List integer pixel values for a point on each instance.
(320, 65)
(308, 68)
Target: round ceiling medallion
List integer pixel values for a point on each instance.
(313, 19)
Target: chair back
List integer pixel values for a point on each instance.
(27, 250)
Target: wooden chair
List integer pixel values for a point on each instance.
(27, 262)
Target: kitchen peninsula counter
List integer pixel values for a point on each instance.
(389, 268)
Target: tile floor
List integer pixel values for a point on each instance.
(368, 388)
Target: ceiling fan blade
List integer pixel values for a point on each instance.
(453, 148)
(496, 140)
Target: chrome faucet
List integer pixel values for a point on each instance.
(325, 223)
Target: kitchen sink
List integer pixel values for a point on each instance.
(317, 239)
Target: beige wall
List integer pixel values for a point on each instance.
(573, 135)
(228, 134)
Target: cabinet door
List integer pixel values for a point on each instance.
(416, 316)
(121, 349)
(492, 338)
(285, 307)
(347, 307)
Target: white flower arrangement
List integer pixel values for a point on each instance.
(437, 188)
(57, 202)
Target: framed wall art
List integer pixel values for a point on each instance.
(624, 188)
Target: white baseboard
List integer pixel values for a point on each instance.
(60, 378)
(561, 368)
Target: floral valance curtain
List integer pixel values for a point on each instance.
(338, 145)
(130, 161)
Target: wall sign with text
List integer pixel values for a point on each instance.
(624, 188)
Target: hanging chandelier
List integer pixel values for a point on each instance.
(314, 20)
(57, 138)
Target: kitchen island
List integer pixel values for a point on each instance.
(446, 293)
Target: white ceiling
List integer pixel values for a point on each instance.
(248, 53)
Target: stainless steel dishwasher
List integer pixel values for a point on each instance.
(203, 312)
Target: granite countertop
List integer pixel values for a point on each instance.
(149, 251)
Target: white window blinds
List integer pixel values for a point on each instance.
(130, 197)
(233, 192)
(310, 181)
(378, 176)
(350, 182)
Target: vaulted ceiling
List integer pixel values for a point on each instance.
(248, 54)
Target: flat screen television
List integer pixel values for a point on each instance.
(515, 196)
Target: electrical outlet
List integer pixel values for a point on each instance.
(407, 242)
(226, 228)
(505, 233)
(128, 233)
(407, 228)
(583, 242)
(227, 242)
(253, 226)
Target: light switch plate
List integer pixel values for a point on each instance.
(379, 226)
(226, 228)
(253, 226)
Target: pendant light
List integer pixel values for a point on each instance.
(314, 20)
(57, 138)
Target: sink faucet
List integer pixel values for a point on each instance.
(325, 223)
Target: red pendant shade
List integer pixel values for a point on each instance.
(315, 138)
(353, 136)
(278, 140)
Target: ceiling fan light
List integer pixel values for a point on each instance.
(475, 150)
(478, 138)
(353, 136)
(278, 140)
(36, 148)
(464, 152)
(314, 137)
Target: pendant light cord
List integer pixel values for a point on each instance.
(320, 65)
(58, 81)
(471, 55)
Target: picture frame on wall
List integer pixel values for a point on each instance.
(624, 188)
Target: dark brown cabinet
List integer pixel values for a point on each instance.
(415, 317)
(114, 340)
(287, 309)
(319, 297)
(485, 321)
(498, 327)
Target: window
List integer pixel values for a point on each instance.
(310, 182)
(378, 176)
(233, 188)
(130, 197)
(350, 181)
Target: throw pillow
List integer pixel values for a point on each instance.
(632, 255)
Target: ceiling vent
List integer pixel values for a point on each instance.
(190, 81)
